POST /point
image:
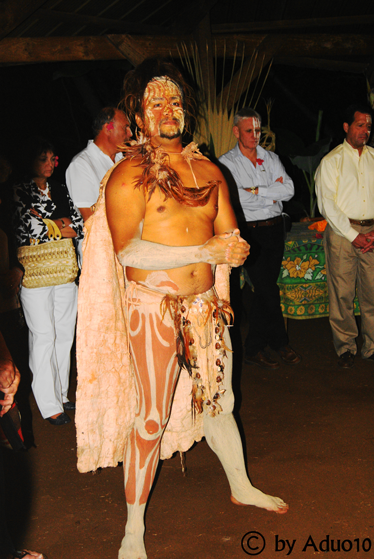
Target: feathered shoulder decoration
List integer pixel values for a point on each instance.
(157, 173)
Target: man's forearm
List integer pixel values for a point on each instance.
(85, 213)
(146, 255)
(226, 248)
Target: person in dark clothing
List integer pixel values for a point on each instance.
(9, 381)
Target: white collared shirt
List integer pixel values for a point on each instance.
(345, 187)
(85, 173)
(264, 176)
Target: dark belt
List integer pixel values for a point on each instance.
(362, 221)
(266, 222)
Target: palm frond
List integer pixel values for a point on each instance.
(214, 128)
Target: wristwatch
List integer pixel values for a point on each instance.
(253, 190)
(62, 223)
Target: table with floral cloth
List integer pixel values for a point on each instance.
(302, 278)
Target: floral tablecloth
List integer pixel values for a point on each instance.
(302, 278)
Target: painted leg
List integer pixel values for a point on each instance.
(222, 435)
(132, 545)
(155, 366)
(141, 460)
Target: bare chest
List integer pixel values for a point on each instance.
(169, 212)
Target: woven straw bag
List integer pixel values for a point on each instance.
(47, 264)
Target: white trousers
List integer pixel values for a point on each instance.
(50, 313)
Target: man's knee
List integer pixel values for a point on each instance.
(149, 429)
(152, 427)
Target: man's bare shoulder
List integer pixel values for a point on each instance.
(209, 169)
(208, 164)
(126, 174)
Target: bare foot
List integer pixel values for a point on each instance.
(258, 499)
(132, 548)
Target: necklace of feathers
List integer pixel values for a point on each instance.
(157, 173)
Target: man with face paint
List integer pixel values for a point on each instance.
(171, 226)
(345, 194)
(86, 170)
(263, 185)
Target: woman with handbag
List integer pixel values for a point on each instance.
(46, 221)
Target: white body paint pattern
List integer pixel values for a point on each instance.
(153, 351)
(257, 129)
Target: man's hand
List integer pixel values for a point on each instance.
(228, 248)
(364, 242)
(9, 381)
(8, 372)
(250, 190)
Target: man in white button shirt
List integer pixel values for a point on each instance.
(83, 176)
(263, 185)
(345, 193)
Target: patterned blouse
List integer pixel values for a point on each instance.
(27, 226)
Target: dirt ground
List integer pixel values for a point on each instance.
(308, 431)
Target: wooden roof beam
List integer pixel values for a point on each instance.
(25, 50)
(128, 48)
(289, 24)
(56, 49)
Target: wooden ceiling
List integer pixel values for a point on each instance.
(326, 34)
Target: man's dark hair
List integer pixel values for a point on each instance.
(247, 112)
(136, 81)
(105, 116)
(33, 148)
(349, 113)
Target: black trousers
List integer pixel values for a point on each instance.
(266, 323)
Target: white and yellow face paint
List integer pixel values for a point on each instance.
(163, 109)
(256, 124)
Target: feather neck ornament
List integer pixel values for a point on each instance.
(157, 173)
